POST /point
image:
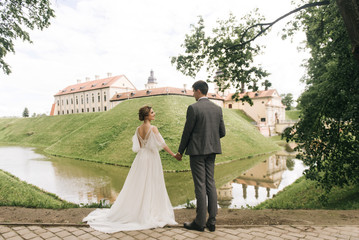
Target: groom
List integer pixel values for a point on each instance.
(201, 139)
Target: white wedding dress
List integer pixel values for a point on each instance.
(143, 202)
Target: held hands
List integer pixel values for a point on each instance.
(178, 156)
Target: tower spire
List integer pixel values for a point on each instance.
(152, 81)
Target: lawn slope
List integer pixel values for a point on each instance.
(14, 192)
(107, 137)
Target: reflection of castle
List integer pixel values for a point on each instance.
(224, 195)
(267, 174)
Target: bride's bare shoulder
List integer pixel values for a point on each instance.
(154, 129)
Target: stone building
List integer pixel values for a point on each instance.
(101, 95)
(267, 109)
(90, 96)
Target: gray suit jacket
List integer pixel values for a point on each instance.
(203, 129)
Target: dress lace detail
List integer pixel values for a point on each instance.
(143, 202)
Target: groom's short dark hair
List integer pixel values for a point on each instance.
(202, 86)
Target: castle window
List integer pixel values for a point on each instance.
(148, 92)
(58, 112)
(72, 101)
(104, 83)
(119, 95)
(104, 97)
(133, 94)
(67, 111)
(72, 111)
(93, 98)
(99, 109)
(87, 98)
(93, 109)
(263, 119)
(82, 87)
(72, 89)
(98, 97)
(229, 105)
(88, 110)
(105, 108)
(77, 101)
(82, 110)
(82, 99)
(77, 110)
(93, 85)
(58, 103)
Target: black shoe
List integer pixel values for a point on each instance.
(211, 227)
(193, 226)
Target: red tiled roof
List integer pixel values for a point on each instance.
(90, 85)
(159, 91)
(258, 94)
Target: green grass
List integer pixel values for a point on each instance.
(14, 192)
(107, 137)
(292, 114)
(41, 131)
(303, 194)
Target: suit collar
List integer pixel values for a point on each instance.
(202, 98)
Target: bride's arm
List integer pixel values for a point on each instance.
(167, 149)
(162, 142)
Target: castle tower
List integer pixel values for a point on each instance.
(152, 81)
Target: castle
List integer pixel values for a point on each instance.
(101, 95)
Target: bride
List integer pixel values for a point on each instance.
(143, 202)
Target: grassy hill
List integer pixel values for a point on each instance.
(27, 195)
(107, 137)
(292, 114)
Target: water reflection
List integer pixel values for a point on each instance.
(74, 181)
(87, 182)
(260, 182)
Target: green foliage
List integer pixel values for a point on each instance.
(25, 113)
(287, 100)
(15, 17)
(225, 64)
(190, 205)
(14, 192)
(107, 137)
(328, 130)
(305, 194)
(266, 84)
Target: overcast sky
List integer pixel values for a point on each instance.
(96, 37)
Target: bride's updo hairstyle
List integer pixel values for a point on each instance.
(144, 112)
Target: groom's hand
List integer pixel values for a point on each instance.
(178, 156)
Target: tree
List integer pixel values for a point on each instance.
(328, 131)
(266, 84)
(287, 100)
(26, 113)
(16, 17)
(225, 65)
(349, 10)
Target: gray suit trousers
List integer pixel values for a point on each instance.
(202, 167)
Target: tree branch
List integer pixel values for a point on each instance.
(265, 26)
